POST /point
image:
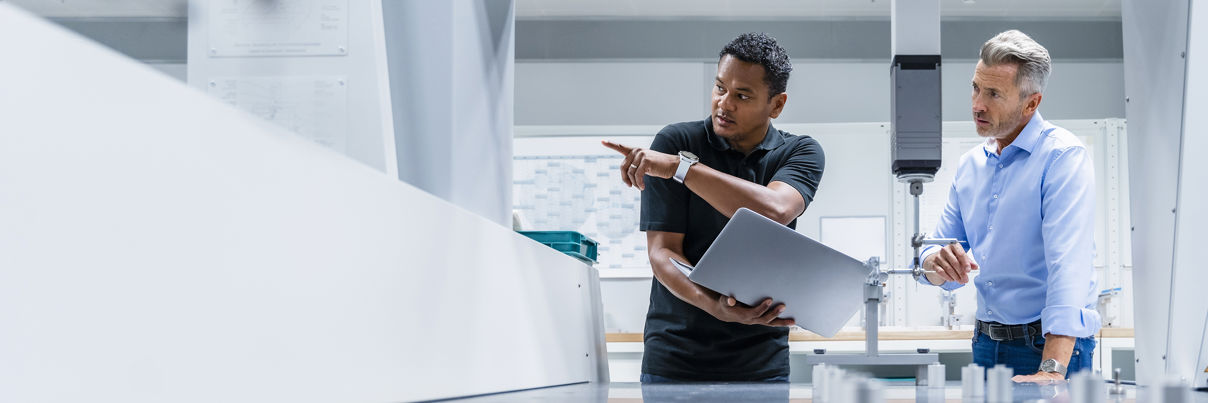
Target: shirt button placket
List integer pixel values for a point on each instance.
(995, 186)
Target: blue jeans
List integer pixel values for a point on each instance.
(648, 378)
(1023, 355)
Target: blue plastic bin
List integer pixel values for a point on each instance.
(572, 243)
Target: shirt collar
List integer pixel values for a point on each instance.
(1026, 140)
(771, 139)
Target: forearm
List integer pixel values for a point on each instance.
(675, 281)
(1056, 347)
(1059, 348)
(727, 194)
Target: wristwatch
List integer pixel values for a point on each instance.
(1051, 365)
(686, 161)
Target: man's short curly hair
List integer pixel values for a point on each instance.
(761, 48)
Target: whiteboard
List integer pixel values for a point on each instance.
(858, 237)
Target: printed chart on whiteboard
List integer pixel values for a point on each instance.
(582, 193)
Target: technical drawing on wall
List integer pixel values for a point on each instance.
(315, 107)
(582, 193)
(278, 28)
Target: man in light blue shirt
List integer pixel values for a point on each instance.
(1024, 202)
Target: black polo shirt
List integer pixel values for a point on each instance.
(682, 341)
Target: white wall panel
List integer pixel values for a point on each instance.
(658, 93)
(1076, 89)
(609, 93)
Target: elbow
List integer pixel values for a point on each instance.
(784, 214)
(780, 211)
(785, 209)
(654, 254)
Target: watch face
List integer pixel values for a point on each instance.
(689, 155)
(1050, 365)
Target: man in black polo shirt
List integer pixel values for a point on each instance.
(693, 178)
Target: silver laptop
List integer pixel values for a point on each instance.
(756, 258)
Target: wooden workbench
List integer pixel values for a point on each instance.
(805, 335)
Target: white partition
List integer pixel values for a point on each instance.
(158, 245)
(1164, 70)
(451, 83)
(1188, 307)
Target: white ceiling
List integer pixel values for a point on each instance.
(105, 8)
(628, 9)
(1031, 9)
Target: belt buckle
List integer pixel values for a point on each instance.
(1000, 333)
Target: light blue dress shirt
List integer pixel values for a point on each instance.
(1028, 216)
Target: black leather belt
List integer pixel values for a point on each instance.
(1000, 332)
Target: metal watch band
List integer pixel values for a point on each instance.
(1051, 365)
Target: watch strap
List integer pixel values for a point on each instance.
(1051, 365)
(682, 170)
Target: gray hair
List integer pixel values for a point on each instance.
(1014, 47)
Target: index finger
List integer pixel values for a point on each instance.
(961, 258)
(771, 314)
(616, 147)
(782, 322)
(965, 263)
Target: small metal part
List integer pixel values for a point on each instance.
(950, 318)
(1117, 388)
(871, 391)
(936, 377)
(999, 385)
(973, 381)
(1173, 390)
(1087, 387)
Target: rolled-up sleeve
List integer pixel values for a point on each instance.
(1068, 228)
(803, 170)
(951, 225)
